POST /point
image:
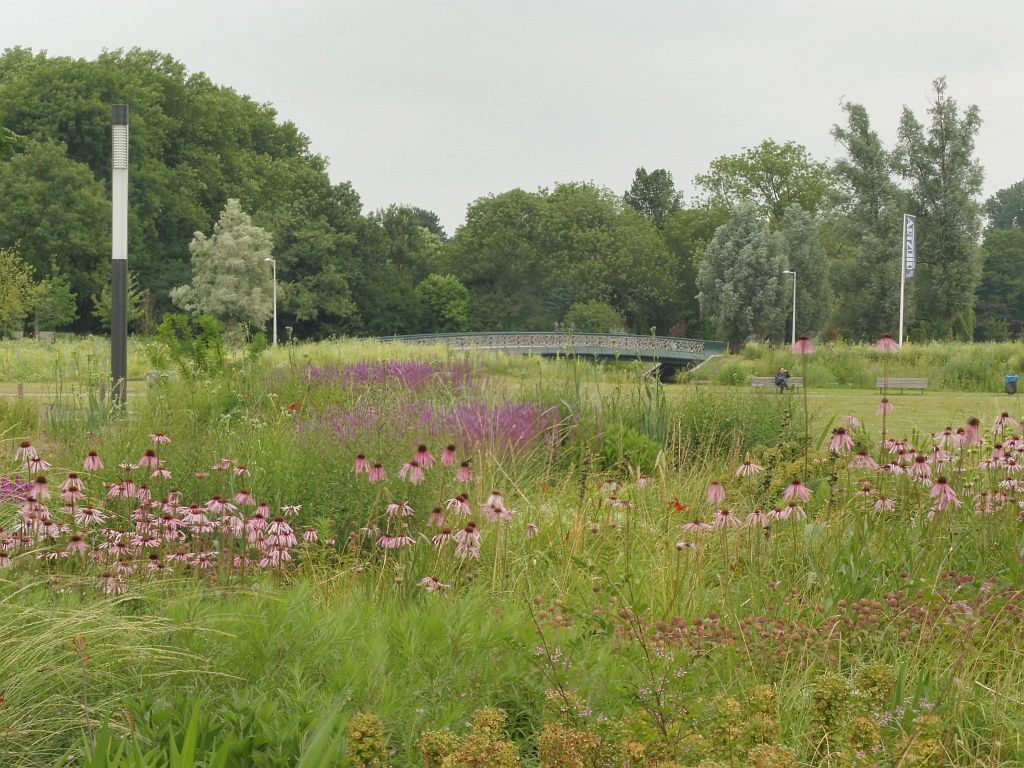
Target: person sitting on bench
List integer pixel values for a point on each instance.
(782, 379)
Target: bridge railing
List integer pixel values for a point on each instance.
(623, 344)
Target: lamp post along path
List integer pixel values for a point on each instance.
(119, 255)
(793, 273)
(273, 266)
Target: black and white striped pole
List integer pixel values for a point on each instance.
(119, 257)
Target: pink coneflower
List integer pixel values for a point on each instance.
(468, 541)
(361, 464)
(161, 472)
(88, 516)
(25, 451)
(921, 470)
(233, 524)
(758, 519)
(681, 545)
(795, 512)
(494, 514)
(748, 468)
(387, 541)
(448, 457)
(412, 472)
(939, 455)
(72, 483)
(716, 493)
(160, 438)
(224, 464)
(311, 536)
(945, 437)
(458, 505)
(973, 434)
(841, 441)
(884, 406)
(697, 526)
(532, 530)
(1002, 422)
(866, 490)
(280, 534)
(863, 461)
(77, 545)
(245, 498)
(242, 471)
(797, 490)
(400, 509)
(725, 519)
(40, 488)
(92, 462)
(944, 494)
(436, 518)
(464, 474)
(442, 538)
(431, 584)
(5, 557)
(154, 563)
(803, 346)
(217, 505)
(36, 464)
(424, 457)
(887, 344)
(959, 439)
(149, 459)
(853, 421)
(885, 504)
(291, 510)
(202, 475)
(377, 473)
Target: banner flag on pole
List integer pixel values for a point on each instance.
(909, 245)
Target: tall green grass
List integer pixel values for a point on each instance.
(947, 366)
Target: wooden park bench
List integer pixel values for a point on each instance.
(794, 382)
(901, 384)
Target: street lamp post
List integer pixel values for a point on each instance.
(273, 264)
(793, 273)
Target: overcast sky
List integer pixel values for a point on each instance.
(438, 102)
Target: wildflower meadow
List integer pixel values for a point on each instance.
(357, 554)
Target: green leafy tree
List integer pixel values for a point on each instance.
(194, 144)
(430, 222)
(443, 304)
(686, 234)
(594, 317)
(866, 233)
(773, 176)
(654, 194)
(55, 210)
(1005, 209)
(231, 278)
(17, 291)
(741, 280)
(1000, 307)
(138, 297)
(55, 306)
(807, 258)
(945, 179)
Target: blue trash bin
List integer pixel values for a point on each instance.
(1011, 383)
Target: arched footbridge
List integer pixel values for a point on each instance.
(671, 352)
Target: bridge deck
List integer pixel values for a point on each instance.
(664, 349)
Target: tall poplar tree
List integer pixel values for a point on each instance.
(945, 180)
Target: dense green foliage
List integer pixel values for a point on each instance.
(524, 257)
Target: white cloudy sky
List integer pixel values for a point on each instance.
(437, 102)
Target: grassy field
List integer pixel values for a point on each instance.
(597, 603)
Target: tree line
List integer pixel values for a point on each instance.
(220, 186)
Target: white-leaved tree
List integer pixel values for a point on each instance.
(740, 279)
(231, 278)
